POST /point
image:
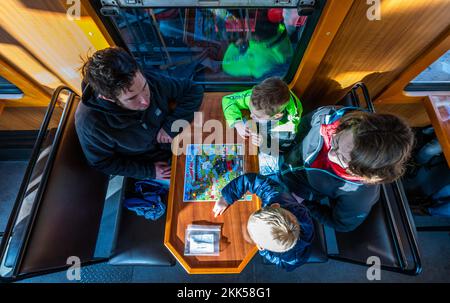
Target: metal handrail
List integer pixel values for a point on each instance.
(411, 236)
(28, 174)
(366, 95)
(394, 232)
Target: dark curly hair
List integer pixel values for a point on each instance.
(382, 145)
(110, 71)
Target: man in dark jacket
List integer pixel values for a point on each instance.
(124, 120)
(344, 154)
(282, 229)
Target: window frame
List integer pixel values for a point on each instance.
(231, 86)
(17, 95)
(415, 87)
(423, 86)
(33, 94)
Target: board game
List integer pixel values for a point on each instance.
(209, 168)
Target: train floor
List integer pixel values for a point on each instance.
(434, 246)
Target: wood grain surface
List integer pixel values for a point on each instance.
(235, 252)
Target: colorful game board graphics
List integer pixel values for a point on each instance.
(209, 168)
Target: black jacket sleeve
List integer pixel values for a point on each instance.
(265, 188)
(347, 211)
(100, 154)
(187, 96)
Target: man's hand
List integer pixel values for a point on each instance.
(220, 206)
(163, 137)
(257, 139)
(162, 170)
(242, 129)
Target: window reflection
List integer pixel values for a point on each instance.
(213, 45)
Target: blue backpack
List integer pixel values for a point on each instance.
(149, 204)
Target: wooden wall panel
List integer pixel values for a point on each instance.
(395, 92)
(376, 52)
(414, 114)
(26, 118)
(332, 16)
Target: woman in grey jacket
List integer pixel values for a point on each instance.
(344, 154)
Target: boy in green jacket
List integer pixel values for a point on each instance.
(270, 102)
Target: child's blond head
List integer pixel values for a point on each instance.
(274, 229)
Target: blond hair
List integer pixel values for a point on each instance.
(273, 229)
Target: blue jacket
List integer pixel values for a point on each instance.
(271, 192)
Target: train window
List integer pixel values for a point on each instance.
(435, 77)
(9, 90)
(216, 45)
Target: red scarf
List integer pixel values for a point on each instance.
(322, 161)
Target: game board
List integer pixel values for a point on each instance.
(209, 168)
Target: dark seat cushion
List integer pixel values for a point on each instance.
(139, 241)
(377, 235)
(371, 238)
(319, 245)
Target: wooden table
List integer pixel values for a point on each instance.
(235, 252)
